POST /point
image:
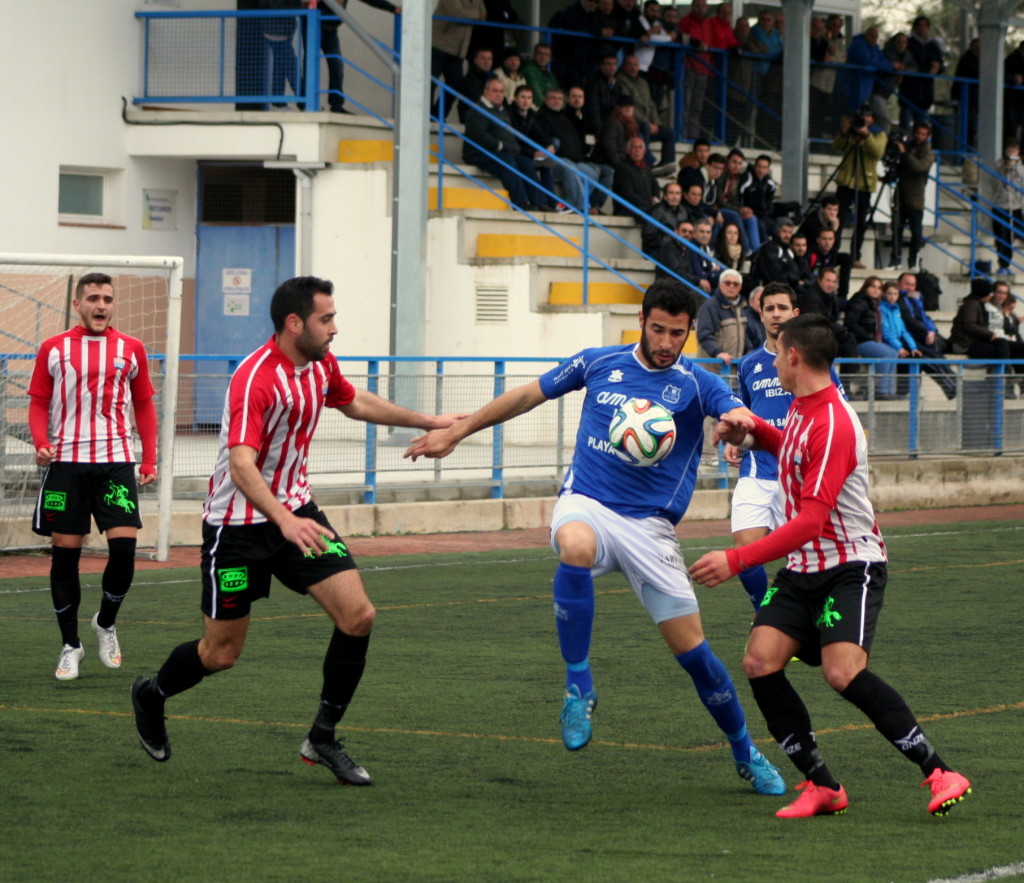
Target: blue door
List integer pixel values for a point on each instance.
(237, 270)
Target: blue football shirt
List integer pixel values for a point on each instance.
(611, 376)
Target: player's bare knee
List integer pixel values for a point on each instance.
(755, 666)
(219, 657)
(360, 622)
(838, 677)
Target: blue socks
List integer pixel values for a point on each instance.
(755, 583)
(574, 620)
(716, 691)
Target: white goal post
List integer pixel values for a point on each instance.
(35, 306)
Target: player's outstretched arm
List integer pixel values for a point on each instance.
(372, 408)
(306, 533)
(440, 443)
(145, 421)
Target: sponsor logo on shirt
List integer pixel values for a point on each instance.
(615, 399)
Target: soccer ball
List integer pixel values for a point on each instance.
(642, 432)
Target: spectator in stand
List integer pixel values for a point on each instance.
(712, 174)
(864, 52)
(574, 55)
(618, 129)
(606, 25)
(821, 298)
(576, 101)
(702, 257)
(634, 182)
(1008, 209)
(692, 163)
(1009, 325)
(824, 252)
(971, 334)
(655, 64)
(495, 37)
(729, 203)
(857, 175)
(693, 31)
(925, 334)
(729, 248)
(757, 192)
(480, 71)
(917, 93)
(279, 34)
(669, 212)
(537, 72)
(250, 56)
(1013, 95)
(826, 215)
(602, 92)
(510, 72)
(915, 163)
(864, 322)
(766, 83)
(523, 118)
(555, 130)
(775, 261)
(450, 44)
(628, 15)
(714, 33)
(693, 205)
(894, 331)
(837, 49)
(629, 82)
(726, 326)
(898, 53)
(485, 132)
(966, 94)
(802, 259)
(674, 256)
(823, 78)
(741, 72)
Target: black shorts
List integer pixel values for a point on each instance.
(73, 493)
(838, 604)
(239, 561)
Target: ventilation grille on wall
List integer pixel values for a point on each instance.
(491, 303)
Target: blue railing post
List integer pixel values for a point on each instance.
(311, 22)
(912, 412)
(723, 466)
(586, 241)
(498, 438)
(998, 409)
(370, 469)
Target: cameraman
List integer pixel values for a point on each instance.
(914, 162)
(863, 145)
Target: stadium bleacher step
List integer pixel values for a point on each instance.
(497, 245)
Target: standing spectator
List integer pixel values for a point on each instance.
(607, 25)
(757, 192)
(867, 61)
(279, 32)
(655, 68)
(702, 257)
(730, 204)
(511, 75)
(917, 93)
(250, 55)
(823, 78)
(480, 71)
(837, 49)
(260, 520)
(1009, 326)
(1008, 199)
(729, 248)
(966, 94)
(83, 385)
(857, 177)
(330, 48)
(1013, 96)
(669, 212)
(603, 92)
(629, 82)
(495, 36)
(485, 132)
(925, 334)
(450, 45)
(634, 182)
(726, 326)
(574, 54)
(915, 163)
(897, 51)
(864, 322)
(556, 131)
(674, 256)
(538, 74)
(766, 84)
(698, 71)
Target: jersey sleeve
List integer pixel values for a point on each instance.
(715, 396)
(570, 375)
(141, 383)
(41, 385)
(250, 396)
(339, 391)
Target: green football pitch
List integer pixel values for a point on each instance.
(457, 720)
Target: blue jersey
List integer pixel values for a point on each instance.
(760, 391)
(611, 376)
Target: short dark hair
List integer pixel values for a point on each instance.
(296, 296)
(778, 288)
(811, 335)
(701, 142)
(671, 296)
(716, 159)
(834, 271)
(765, 157)
(737, 152)
(91, 279)
(525, 87)
(830, 200)
(921, 18)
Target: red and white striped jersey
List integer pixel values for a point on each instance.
(273, 407)
(90, 381)
(823, 456)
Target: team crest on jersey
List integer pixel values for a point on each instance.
(323, 392)
(670, 395)
(615, 376)
(757, 368)
(119, 364)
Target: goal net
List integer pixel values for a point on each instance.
(36, 293)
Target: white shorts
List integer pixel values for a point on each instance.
(645, 550)
(756, 502)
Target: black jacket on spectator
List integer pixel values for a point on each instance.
(758, 195)
(813, 224)
(676, 257)
(636, 185)
(571, 54)
(473, 88)
(812, 299)
(524, 124)
(601, 101)
(653, 238)
(775, 262)
(482, 128)
(863, 317)
(551, 124)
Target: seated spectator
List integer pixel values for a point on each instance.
(630, 82)
(572, 53)
(693, 204)
(668, 212)
(1008, 211)
(726, 326)
(824, 252)
(702, 258)
(450, 45)
(825, 215)
(729, 248)
(802, 259)
(712, 174)
(894, 332)
(864, 322)
(485, 132)
(524, 120)
(971, 334)
(820, 297)
(538, 74)
(603, 92)
(757, 192)
(616, 133)
(476, 78)
(556, 132)
(634, 182)
(510, 72)
(775, 261)
(691, 164)
(1004, 302)
(674, 257)
(728, 199)
(931, 344)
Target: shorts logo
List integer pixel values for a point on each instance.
(767, 599)
(336, 547)
(233, 579)
(829, 617)
(56, 500)
(117, 495)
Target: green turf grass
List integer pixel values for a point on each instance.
(456, 719)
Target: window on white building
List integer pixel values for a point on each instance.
(84, 196)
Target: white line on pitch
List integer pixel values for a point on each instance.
(1000, 873)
